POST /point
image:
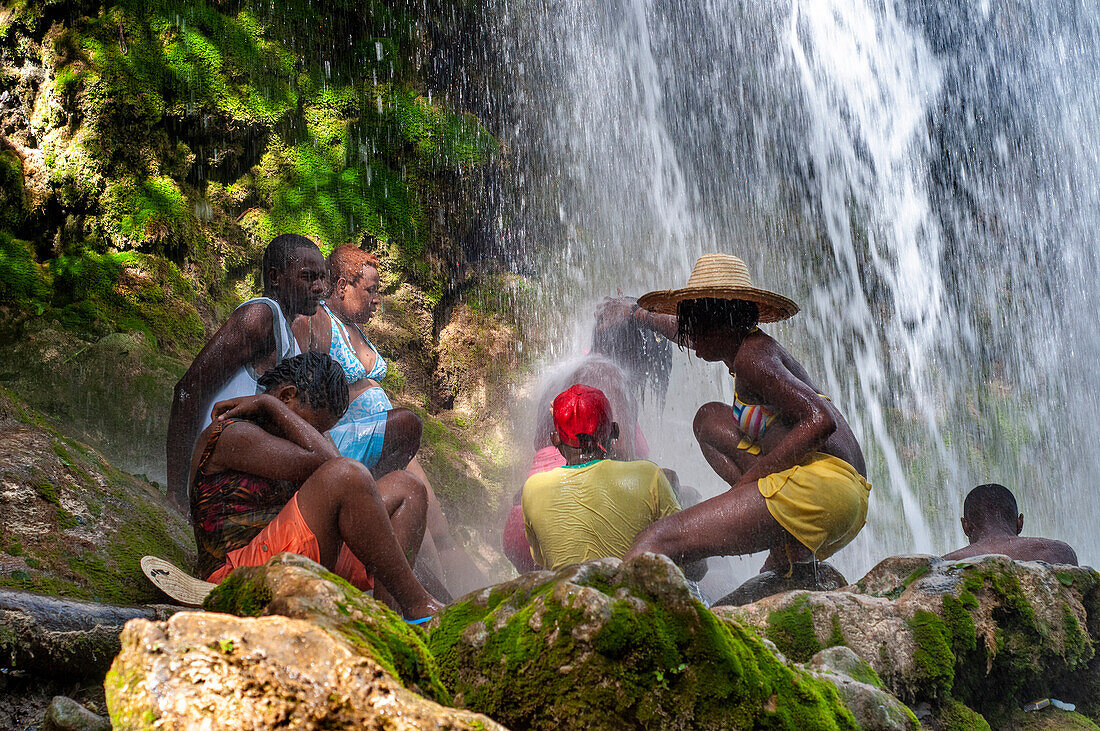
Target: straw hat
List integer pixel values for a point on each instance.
(721, 276)
(175, 582)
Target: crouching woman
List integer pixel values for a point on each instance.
(264, 479)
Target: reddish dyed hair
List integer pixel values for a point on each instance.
(347, 261)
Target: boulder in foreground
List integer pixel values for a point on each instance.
(609, 645)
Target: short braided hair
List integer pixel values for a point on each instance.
(318, 378)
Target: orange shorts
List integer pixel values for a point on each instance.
(289, 532)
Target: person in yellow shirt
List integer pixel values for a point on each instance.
(593, 507)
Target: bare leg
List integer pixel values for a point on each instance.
(735, 522)
(340, 504)
(403, 432)
(718, 434)
(406, 501)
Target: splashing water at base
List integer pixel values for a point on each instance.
(920, 177)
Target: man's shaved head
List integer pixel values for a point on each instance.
(990, 504)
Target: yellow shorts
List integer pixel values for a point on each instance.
(821, 502)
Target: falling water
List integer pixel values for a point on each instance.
(920, 176)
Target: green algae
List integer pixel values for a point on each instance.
(63, 564)
(933, 658)
(242, 593)
(956, 617)
(792, 631)
(651, 666)
(955, 716)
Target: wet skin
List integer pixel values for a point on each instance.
(988, 535)
(738, 521)
(247, 338)
(356, 302)
(280, 438)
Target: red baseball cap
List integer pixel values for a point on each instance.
(580, 410)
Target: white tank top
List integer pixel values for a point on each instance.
(244, 381)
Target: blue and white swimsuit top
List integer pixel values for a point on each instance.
(343, 353)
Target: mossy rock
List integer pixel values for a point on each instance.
(293, 586)
(955, 716)
(80, 525)
(988, 632)
(113, 391)
(607, 644)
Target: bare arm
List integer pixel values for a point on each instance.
(247, 335)
(764, 374)
(277, 443)
(667, 325)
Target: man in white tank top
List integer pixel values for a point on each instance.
(256, 337)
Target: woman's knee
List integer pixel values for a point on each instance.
(707, 419)
(405, 426)
(406, 488)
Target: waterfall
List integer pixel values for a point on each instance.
(921, 177)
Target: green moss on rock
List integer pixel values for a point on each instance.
(597, 646)
(792, 631)
(955, 716)
(933, 657)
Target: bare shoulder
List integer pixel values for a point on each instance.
(312, 331)
(253, 317)
(1051, 551)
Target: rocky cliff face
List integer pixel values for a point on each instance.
(150, 150)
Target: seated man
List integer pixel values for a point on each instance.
(593, 506)
(991, 522)
(256, 337)
(264, 479)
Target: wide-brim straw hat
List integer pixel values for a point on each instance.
(175, 582)
(725, 277)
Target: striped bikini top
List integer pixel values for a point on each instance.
(343, 353)
(752, 419)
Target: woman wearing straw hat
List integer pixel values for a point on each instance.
(797, 475)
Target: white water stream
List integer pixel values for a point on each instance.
(920, 176)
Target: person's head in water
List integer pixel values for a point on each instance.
(642, 353)
(294, 273)
(312, 385)
(991, 510)
(708, 321)
(583, 428)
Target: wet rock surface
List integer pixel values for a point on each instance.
(73, 524)
(820, 576)
(988, 632)
(55, 637)
(65, 714)
(608, 644)
(263, 673)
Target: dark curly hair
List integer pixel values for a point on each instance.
(701, 315)
(318, 378)
(642, 352)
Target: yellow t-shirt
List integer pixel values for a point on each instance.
(593, 510)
